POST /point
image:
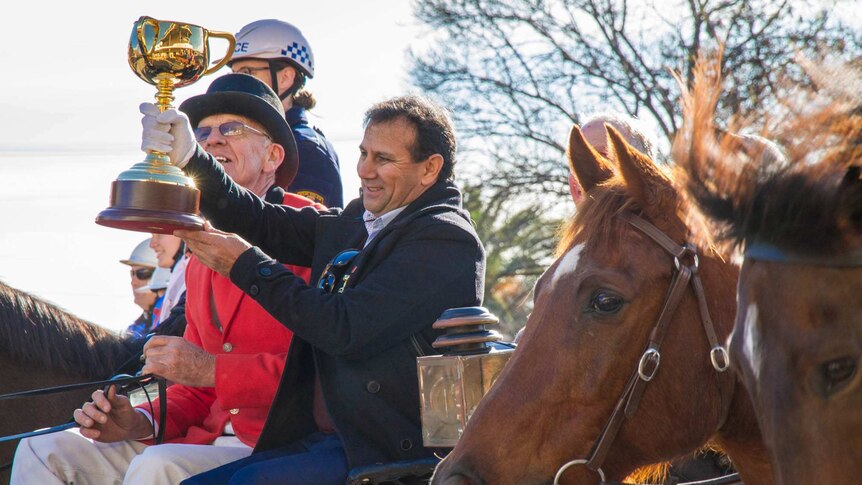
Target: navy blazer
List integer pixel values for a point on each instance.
(363, 342)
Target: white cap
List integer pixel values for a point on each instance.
(142, 255)
(274, 39)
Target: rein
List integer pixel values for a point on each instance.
(125, 381)
(686, 271)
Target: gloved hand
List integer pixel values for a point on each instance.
(168, 132)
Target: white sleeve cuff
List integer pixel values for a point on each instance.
(154, 424)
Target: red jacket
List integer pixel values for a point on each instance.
(250, 355)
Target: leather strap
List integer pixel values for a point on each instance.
(656, 234)
(118, 380)
(73, 387)
(770, 252)
(687, 271)
(645, 371)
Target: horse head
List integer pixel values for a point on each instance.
(797, 342)
(595, 310)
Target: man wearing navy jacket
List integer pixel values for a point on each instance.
(349, 393)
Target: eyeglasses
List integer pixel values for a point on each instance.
(229, 128)
(249, 70)
(336, 270)
(142, 273)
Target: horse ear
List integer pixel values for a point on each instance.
(588, 165)
(646, 183)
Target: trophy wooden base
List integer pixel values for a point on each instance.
(150, 206)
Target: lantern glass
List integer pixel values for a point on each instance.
(450, 387)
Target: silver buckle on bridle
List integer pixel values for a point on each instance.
(650, 356)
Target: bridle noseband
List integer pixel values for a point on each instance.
(686, 265)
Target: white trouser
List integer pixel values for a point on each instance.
(67, 457)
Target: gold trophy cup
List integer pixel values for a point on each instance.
(153, 195)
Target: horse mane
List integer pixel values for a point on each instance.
(35, 332)
(655, 473)
(795, 200)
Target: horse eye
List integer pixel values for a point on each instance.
(604, 302)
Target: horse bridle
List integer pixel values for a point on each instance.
(769, 252)
(687, 265)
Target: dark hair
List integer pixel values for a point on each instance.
(304, 99)
(434, 132)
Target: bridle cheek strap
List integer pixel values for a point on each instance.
(646, 369)
(627, 405)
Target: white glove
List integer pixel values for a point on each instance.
(167, 132)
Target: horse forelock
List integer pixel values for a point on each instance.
(595, 217)
(35, 332)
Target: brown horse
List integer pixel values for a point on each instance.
(582, 357)
(798, 336)
(43, 346)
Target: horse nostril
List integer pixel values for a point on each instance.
(836, 374)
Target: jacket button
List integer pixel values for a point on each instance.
(373, 387)
(227, 347)
(265, 271)
(406, 445)
(254, 290)
(236, 411)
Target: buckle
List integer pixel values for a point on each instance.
(688, 250)
(719, 358)
(648, 365)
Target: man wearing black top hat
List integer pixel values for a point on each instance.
(226, 368)
(349, 393)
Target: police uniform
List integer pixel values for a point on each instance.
(318, 177)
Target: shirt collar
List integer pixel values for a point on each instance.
(376, 224)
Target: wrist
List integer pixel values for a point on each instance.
(144, 426)
(184, 159)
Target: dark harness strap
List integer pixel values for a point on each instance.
(770, 252)
(686, 264)
(120, 380)
(74, 387)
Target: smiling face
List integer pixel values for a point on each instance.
(250, 159)
(165, 246)
(390, 177)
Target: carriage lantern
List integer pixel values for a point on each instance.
(451, 385)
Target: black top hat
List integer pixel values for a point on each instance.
(245, 95)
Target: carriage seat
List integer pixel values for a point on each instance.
(407, 472)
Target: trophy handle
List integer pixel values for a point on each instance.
(231, 40)
(142, 45)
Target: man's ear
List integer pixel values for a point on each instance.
(431, 169)
(274, 158)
